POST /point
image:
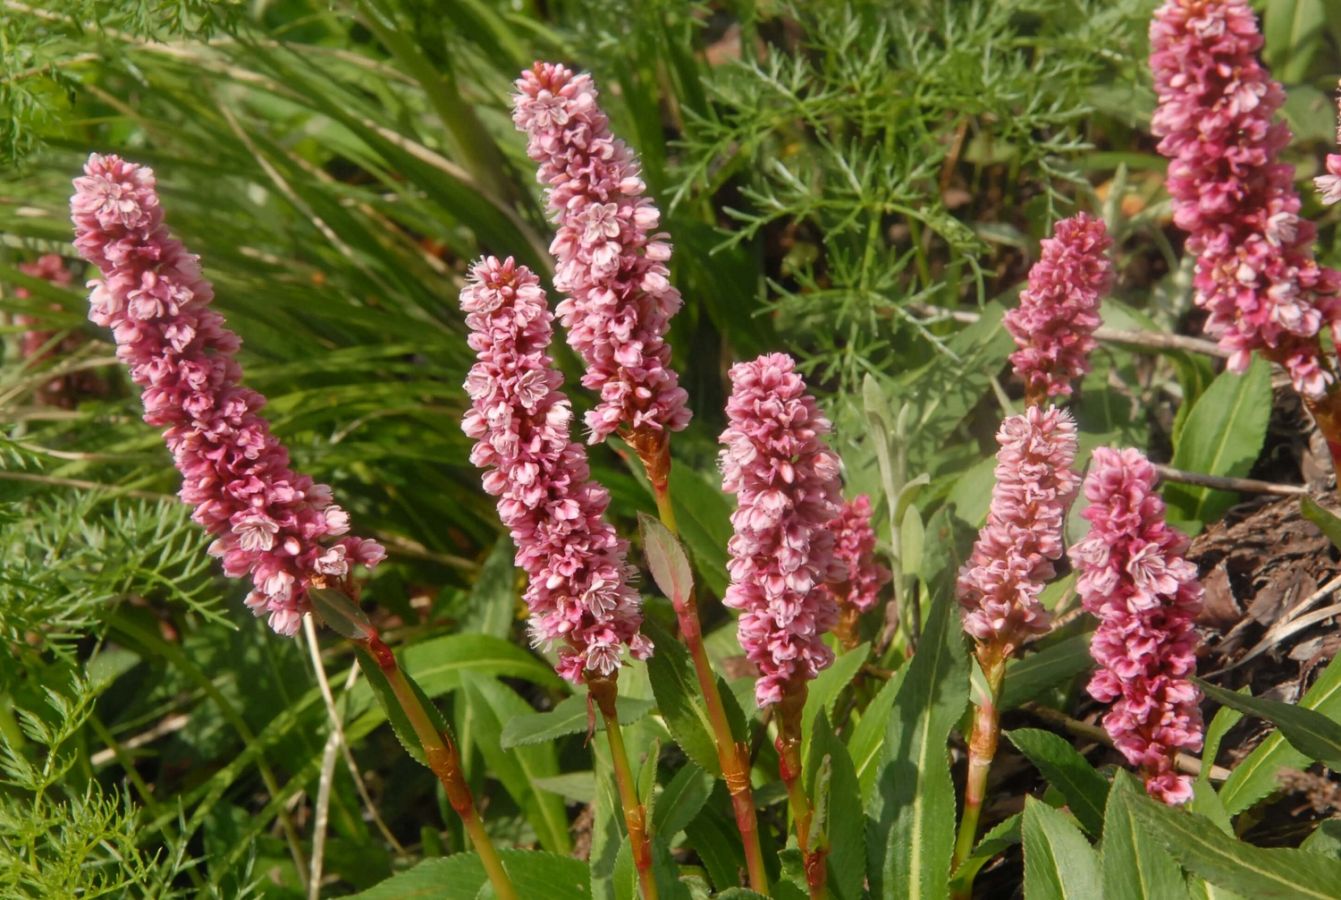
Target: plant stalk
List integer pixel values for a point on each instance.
(790, 769)
(982, 749)
(732, 755)
(442, 758)
(603, 692)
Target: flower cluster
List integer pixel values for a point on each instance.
(1329, 185)
(854, 548)
(611, 259)
(60, 391)
(49, 268)
(782, 552)
(1256, 275)
(577, 590)
(1135, 579)
(269, 521)
(1059, 310)
(1013, 557)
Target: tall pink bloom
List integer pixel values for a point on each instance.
(1059, 311)
(782, 553)
(270, 522)
(1013, 558)
(60, 391)
(1135, 579)
(854, 548)
(577, 590)
(1256, 274)
(611, 258)
(1329, 185)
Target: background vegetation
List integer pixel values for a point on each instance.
(862, 185)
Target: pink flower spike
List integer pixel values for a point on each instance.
(782, 553)
(1059, 311)
(1135, 578)
(611, 258)
(854, 548)
(1013, 558)
(1256, 275)
(268, 521)
(578, 578)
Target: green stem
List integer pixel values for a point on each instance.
(788, 745)
(603, 692)
(441, 756)
(732, 755)
(982, 749)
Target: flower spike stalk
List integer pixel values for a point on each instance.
(1054, 324)
(578, 589)
(612, 265)
(270, 522)
(1256, 274)
(1012, 560)
(1135, 578)
(785, 478)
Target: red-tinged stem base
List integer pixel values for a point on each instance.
(788, 745)
(443, 759)
(603, 693)
(981, 751)
(653, 449)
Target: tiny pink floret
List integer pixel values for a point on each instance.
(854, 548)
(1059, 310)
(611, 257)
(1256, 275)
(786, 481)
(578, 589)
(1013, 559)
(270, 522)
(1135, 579)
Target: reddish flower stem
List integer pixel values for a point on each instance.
(443, 759)
(982, 750)
(603, 693)
(788, 745)
(733, 756)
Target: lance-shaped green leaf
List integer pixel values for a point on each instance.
(1255, 776)
(1135, 865)
(1309, 732)
(569, 716)
(339, 611)
(1058, 861)
(461, 876)
(1065, 769)
(824, 689)
(675, 687)
(1222, 436)
(842, 826)
(680, 801)
(490, 704)
(1028, 677)
(391, 706)
(1222, 860)
(666, 559)
(911, 832)
(1002, 836)
(868, 738)
(1325, 519)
